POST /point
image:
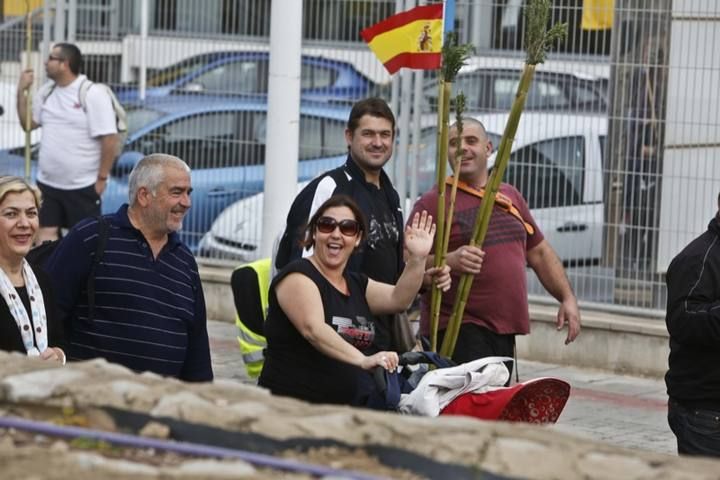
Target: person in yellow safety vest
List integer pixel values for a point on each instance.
(250, 284)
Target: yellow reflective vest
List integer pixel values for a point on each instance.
(250, 284)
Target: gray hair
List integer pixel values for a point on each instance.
(150, 173)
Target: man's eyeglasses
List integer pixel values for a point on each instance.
(57, 59)
(348, 227)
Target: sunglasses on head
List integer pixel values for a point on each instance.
(348, 227)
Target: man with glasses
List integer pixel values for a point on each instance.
(78, 144)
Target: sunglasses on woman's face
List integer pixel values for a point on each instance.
(348, 227)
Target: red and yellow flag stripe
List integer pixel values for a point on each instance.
(411, 39)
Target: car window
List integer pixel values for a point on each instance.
(249, 76)
(321, 137)
(589, 98)
(542, 95)
(549, 173)
(139, 117)
(209, 140)
(492, 90)
(173, 72)
(313, 76)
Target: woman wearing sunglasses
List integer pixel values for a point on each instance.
(319, 328)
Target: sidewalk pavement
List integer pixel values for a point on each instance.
(621, 410)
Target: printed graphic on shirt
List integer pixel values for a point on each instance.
(504, 228)
(359, 333)
(383, 231)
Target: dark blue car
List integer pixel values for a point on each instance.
(246, 73)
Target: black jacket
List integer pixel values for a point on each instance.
(349, 180)
(693, 321)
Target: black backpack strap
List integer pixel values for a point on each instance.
(103, 234)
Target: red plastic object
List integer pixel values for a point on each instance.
(540, 400)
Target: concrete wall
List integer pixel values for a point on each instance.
(608, 341)
(43, 390)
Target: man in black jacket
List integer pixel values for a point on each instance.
(693, 321)
(370, 136)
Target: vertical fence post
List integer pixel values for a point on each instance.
(72, 20)
(143, 48)
(59, 34)
(283, 118)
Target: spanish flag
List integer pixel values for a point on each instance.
(411, 39)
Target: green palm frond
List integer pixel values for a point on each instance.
(538, 40)
(454, 56)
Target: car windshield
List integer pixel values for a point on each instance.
(169, 74)
(495, 90)
(139, 117)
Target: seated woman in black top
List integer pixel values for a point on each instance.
(319, 327)
(28, 323)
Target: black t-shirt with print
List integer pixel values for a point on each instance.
(293, 367)
(380, 259)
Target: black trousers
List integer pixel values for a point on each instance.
(476, 342)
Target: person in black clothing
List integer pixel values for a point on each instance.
(28, 322)
(370, 136)
(693, 321)
(321, 348)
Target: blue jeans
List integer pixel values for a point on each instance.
(697, 430)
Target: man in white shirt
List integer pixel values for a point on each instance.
(79, 140)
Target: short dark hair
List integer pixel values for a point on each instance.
(307, 239)
(71, 54)
(373, 106)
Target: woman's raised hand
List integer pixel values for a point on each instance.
(419, 235)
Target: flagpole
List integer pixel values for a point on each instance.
(28, 98)
(448, 17)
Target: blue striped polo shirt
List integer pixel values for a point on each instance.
(149, 312)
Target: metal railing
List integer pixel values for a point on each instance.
(640, 87)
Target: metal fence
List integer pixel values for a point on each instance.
(617, 153)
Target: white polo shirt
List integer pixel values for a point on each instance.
(70, 145)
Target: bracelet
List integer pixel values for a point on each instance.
(102, 177)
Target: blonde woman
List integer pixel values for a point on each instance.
(28, 323)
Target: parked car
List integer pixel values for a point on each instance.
(235, 234)
(493, 90)
(246, 73)
(223, 141)
(556, 163)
